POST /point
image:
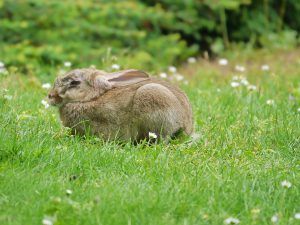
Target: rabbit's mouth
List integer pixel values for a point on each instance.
(54, 99)
(55, 102)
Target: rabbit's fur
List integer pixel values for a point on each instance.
(124, 105)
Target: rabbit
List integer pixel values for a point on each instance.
(124, 105)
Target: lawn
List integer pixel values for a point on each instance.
(249, 126)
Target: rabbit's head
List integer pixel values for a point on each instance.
(83, 85)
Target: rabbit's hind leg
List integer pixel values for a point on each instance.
(157, 110)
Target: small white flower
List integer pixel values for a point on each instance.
(270, 102)
(286, 184)
(265, 67)
(3, 70)
(235, 78)
(163, 75)
(231, 220)
(191, 60)
(67, 64)
(45, 103)
(172, 69)
(152, 135)
(47, 221)
(244, 82)
(235, 84)
(2, 64)
(275, 218)
(115, 66)
(69, 192)
(46, 86)
(291, 97)
(223, 62)
(240, 68)
(297, 216)
(179, 77)
(252, 87)
(7, 97)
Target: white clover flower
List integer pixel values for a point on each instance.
(115, 66)
(244, 82)
(286, 184)
(172, 69)
(223, 62)
(265, 67)
(240, 68)
(69, 192)
(163, 75)
(7, 97)
(291, 97)
(3, 70)
(275, 218)
(252, 87)
(231, 220)
(235, 78)
(270, 102)
(152, 135)
(235, 84)
(46, 86)
(2, 64)
(179, 77)
(297, 216)
(191, 60)
(47, 221)
(45, 103)
(67, 64)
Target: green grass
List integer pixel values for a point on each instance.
(247, 148)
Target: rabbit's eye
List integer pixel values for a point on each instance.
(74, 83)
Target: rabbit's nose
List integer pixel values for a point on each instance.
(52, 95)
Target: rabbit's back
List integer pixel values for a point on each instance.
(161, 109)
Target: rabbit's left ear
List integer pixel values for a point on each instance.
(126, 77)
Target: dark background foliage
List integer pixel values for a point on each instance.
(148, 34)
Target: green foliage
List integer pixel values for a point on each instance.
(207, 22)
(283, 40)
(147, 34)
(51, 32)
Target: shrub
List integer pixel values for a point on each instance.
(146, 34)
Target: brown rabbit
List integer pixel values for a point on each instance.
(123, 105)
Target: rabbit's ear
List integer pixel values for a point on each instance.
(126, 77)
(102, 83)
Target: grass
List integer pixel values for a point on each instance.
(247, 148)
